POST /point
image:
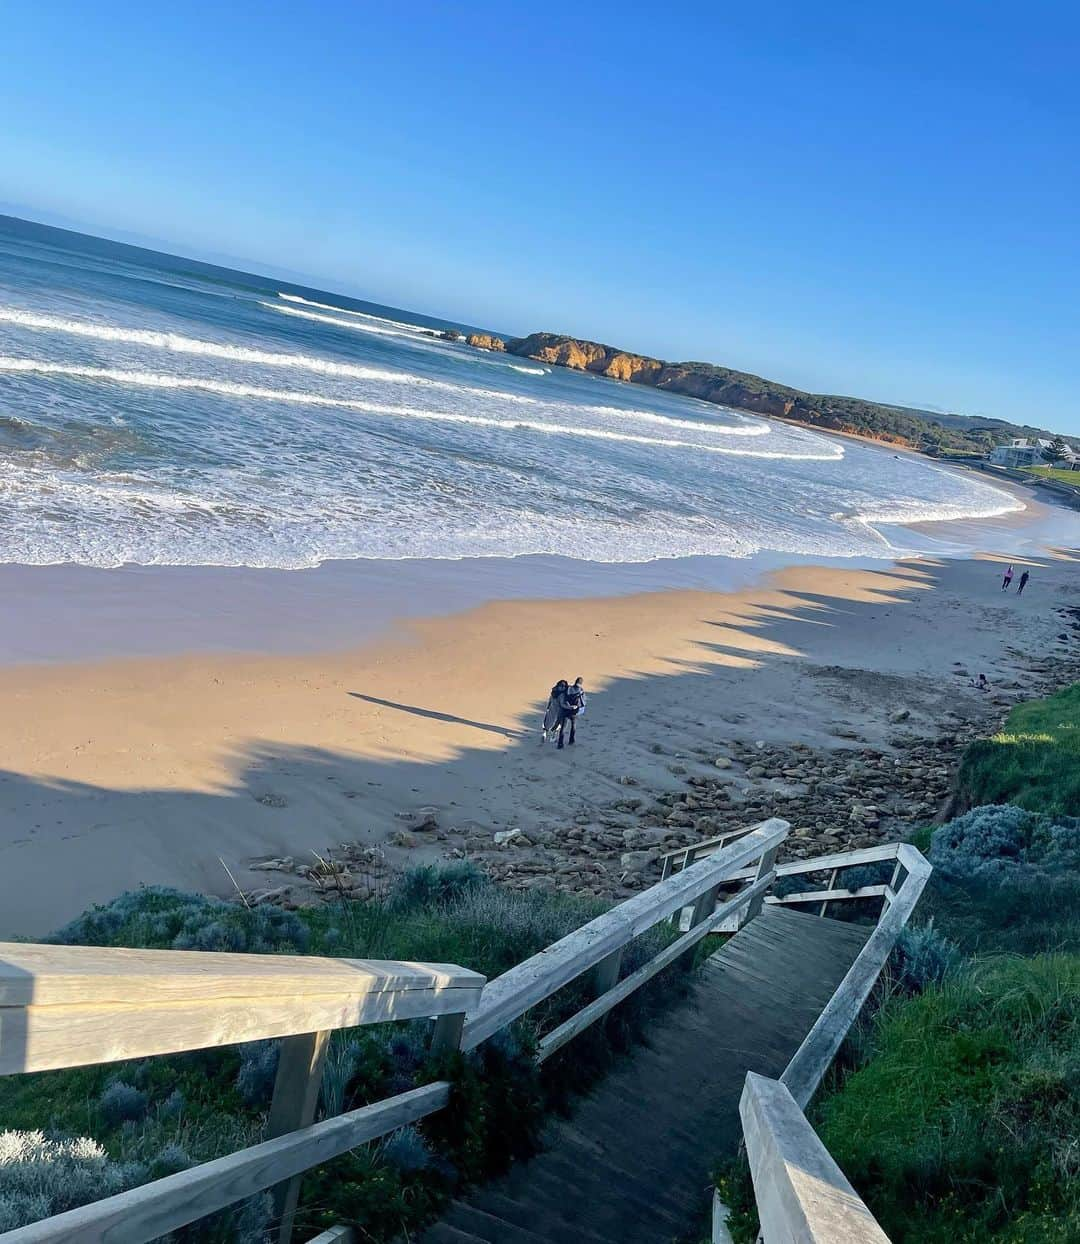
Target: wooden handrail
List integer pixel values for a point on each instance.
(801, 1194)
(69, 1006)
(810, 1062)
(157, 1208)
(520, 989)
(588, 1015)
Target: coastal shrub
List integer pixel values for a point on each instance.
(342, 1059)
(1033, 762)
(257, 1072)
(435, 885)
(41, 1176)
(157, 917)
(406, 1150)
(122, 1103)
(921, 957)
(998, 842)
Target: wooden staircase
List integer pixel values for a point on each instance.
(633, 1163)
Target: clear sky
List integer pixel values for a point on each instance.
(849, 197)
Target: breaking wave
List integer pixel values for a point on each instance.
(228, 388)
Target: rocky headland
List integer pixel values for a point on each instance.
(724, 386)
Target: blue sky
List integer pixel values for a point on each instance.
(879, 200)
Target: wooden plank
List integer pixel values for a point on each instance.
(58, 975)
(824, 863)
(706, 845)
(162, 1206)
(522, 987)
(829, 896)
(802, 1196)
(296, 1095)
(335, 1235)
(599, 1007)
(447, 1034)
(44, 1038)
(805, 1070)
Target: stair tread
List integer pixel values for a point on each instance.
(632, 1164)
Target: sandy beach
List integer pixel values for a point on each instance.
(165, 769)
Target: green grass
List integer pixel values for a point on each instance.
(962, 1124)
(1062, 476)
(197, 1106)
(1035, 760)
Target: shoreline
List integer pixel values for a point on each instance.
(72, 614)
(154, 769)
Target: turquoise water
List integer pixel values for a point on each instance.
(157, 411)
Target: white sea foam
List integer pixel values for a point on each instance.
(179, 344)
(366, 315)
(234, 436)
(355, 326)
(228, 388)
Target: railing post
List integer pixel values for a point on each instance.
(447, 1034)
(606, 973)
(765, 866)
(831, 886)
(296, 1095)
(705, 906)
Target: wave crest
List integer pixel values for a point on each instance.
(228, 388)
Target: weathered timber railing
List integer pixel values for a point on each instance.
(68, 1006)
(801, 1194)
(599, 945)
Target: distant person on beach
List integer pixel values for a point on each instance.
(551, 713)
(1023, 583)
(1007, 579)
(981, 683)
(571, 706)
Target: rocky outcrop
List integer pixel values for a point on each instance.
(701, 380)
(485, 341)
(562, 351)
(724, 386)
(692, 380)
(633, 367)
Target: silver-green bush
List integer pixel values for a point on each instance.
(997, 841)
(40, 1176)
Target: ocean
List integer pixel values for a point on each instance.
(159, 411)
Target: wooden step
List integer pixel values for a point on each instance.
(633, 1163)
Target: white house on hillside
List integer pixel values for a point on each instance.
(1022, 452)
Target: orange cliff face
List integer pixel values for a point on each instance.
(688, 379)
(721, 386)
(485, 341)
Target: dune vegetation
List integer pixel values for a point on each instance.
(73, 1136)
(1034, 762)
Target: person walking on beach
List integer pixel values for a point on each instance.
(1007, 579)
(1023, 583)
(551, 713)
(571, 706)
